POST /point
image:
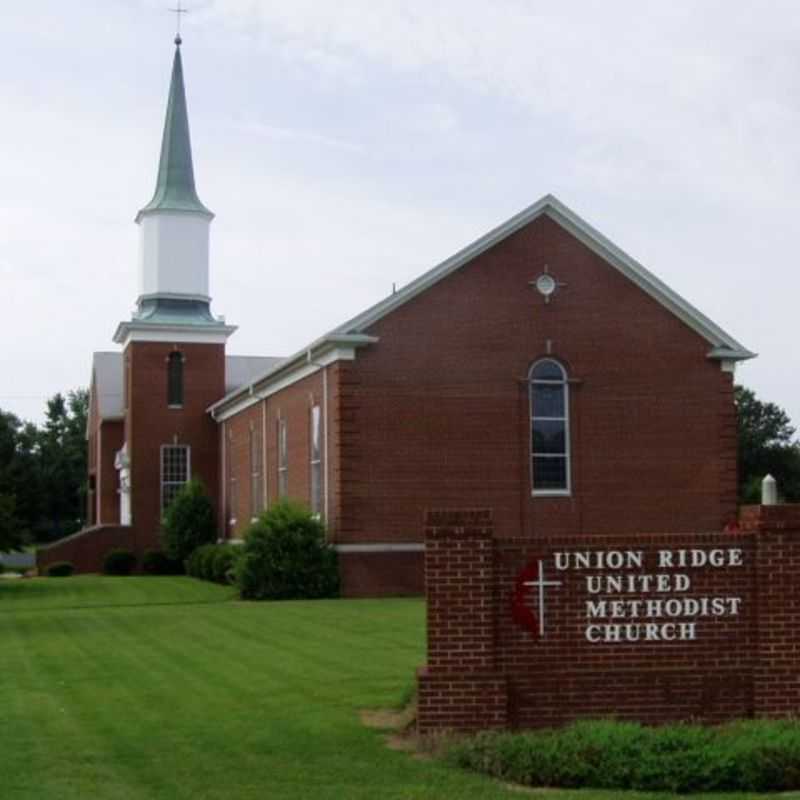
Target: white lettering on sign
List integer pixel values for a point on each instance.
(621, 606)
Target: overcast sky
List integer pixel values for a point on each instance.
(348, 145)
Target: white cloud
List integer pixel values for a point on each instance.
(348, 145)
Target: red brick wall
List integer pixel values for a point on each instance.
(87, 550)
(381, 574)
(150, 423)
(437, 410)
(238, 502)
(485, 669)
(436, 413)
(111, 438)
(294, 405)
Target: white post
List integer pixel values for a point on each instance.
(769, 491)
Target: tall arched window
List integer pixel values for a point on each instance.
(549, 405)
(175, 379)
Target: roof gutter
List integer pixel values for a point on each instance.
(309, 356)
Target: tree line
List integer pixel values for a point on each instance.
(43, 470)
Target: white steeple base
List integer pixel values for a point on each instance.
(173, 254)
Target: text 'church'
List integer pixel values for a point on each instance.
(540, 372)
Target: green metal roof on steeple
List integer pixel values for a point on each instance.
(175, 190)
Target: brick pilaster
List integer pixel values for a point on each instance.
(776, 678)
(460, 688)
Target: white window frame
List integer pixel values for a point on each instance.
(163, 483)
(232, 484)
(564, 381)
(182, 376)
(283, 458)
(256, 468)
(315, 463)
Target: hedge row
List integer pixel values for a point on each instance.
(747, 756)
(123, 562)
(213, 562)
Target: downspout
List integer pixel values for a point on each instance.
(224, 483)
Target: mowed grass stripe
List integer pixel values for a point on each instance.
(311, 641)
(51, 723)
(210, 699)
(98, 591)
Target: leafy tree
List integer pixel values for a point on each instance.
(188, 521)
(26, 477)
(44, 469)
(18, 481)
(12, 534)
(766, 446)
(62, 444)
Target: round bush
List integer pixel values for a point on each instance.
(155, 562)
(209, 552)
(119, 562)
(223, 563)
(190, 564)
(60, 569)
(285, 556)
(196, 562)
(188, 521)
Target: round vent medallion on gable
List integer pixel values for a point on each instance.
(546, 285)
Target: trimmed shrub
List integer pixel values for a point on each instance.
(188, 521)
(748, 756)
(119, 562)
(285, 556)
(60, 569)
(196, 563)
(207, 553)
(213, 562)
(155, 562)
(222, 566)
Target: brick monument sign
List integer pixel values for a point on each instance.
(656, 628)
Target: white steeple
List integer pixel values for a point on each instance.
(175, 224)
(173, 239)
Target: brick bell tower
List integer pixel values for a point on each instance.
(173, 347)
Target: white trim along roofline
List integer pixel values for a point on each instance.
(342, 341)
(724, 346)
(325, 350)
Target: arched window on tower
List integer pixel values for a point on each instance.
(549, 407)
(175, 379)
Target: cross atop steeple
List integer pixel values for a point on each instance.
(178, 10)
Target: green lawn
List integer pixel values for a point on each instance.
(169, 688)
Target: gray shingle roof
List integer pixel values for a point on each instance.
(107, 382)
(240, 370)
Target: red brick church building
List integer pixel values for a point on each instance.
(540, 372)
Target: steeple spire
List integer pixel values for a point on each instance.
(174, 300)
(175, 189)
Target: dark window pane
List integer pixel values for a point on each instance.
(549, 473)
(175, 380)
(549, 437)
(548, 400)
(547, 371)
